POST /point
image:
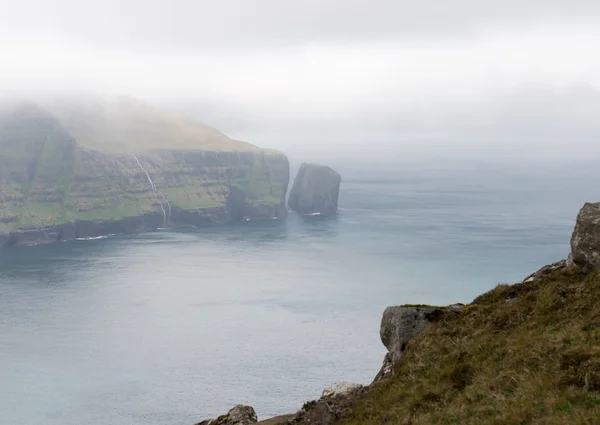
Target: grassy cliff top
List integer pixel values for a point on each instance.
(125, 125)
(520, 354)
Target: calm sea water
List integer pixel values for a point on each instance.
(175, 326)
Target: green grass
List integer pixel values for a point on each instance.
(197, 197)
(41, 214)
(116, 212)
(520, 354)
(265, 185)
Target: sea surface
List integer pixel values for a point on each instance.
(172, 327)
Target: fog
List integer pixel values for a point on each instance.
(492, 78)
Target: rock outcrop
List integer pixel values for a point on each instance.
(315, 190)
(239, 415)
(102, 168)
(399, 325)
(546, 270)
(585, 242)
(340, 389)
(331, 407)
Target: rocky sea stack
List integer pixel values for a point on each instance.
(315, 190)
(88, 167)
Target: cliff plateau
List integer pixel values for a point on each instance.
(85, 168)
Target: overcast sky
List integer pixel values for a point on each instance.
(515, 77)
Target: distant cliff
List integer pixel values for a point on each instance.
(83, 169)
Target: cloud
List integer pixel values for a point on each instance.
(191, 24)
(505, 75)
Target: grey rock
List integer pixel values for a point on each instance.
(399, 325)
(585, 242)
(456, 308)
(239, 415)
(546, 270)
(330, 408)
(315, 190)
(340, 389)
(387, 369)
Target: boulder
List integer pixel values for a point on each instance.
(336, 401)
(340, 389)
(239, 415)
(315, 190)
(399, 325)
(545, 271)
(585, 242)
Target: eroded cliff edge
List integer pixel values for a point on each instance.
(81, 173)
(525, 353)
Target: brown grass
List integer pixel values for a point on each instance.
(519, 354)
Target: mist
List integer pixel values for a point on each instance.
(466, 78)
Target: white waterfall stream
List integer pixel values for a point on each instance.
(154, 191)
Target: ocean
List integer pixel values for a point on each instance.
(175, 326)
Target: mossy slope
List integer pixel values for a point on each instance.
(520, 354)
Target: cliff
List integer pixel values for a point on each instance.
(527, 353)
(76, 169)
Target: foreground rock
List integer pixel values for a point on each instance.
(545, 271)
(585, 242)
(399, 325)
(336, 401)
(239, 415)
(315, 190)
(340, 389)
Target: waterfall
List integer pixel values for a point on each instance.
(168, 205)
(43, 229)
(154, 191)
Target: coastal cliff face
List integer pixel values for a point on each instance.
(81, 173)
(315, 190)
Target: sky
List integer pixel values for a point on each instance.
(511, 77)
